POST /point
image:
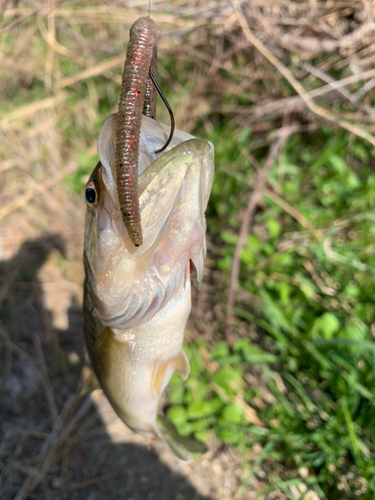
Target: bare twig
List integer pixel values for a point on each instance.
(8, 467)
(254, 200)
(96, 70)
(266, 108)
(35, 192)
(85, 484)
(11, 25)
(350, 97)
(24, 112)
(293, 212)
(60, 435)
(54, 414)
(318, 110)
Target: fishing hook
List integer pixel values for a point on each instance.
(169, 111)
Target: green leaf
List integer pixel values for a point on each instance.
(252, 354)
(230, 435)
(232, 360)
(229, 379)
(203, 424)
(244, 136)
(202, 409)
(355, 329)
(177, 415)
(220, 349)
(229, 238)
(176, 393)
(273, 226)
(338, 164)
(232, 414)
(328, 324)
(254, 242)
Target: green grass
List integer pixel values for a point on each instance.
(311, 299)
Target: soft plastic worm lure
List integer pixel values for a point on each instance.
(139, 59)
(138, 94)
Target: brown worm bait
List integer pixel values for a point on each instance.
(137, 96)
(149, 106)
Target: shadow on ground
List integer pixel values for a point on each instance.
(53, 444)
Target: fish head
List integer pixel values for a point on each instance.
(131, 284)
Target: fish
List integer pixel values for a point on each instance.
(137, 292)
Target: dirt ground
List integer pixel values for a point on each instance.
(54, 443)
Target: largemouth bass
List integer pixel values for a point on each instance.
(137, 299)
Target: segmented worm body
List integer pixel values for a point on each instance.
(149, 107)
(137, 95)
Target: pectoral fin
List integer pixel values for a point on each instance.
(181, 365)
(89, 381)
(163, 370)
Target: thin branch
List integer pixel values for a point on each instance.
(288, 75)
(254, 201)
(84, 484)
(342, 90)
(11, 25)
(35, 191)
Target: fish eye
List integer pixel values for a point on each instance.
(90, 196)
(91, 193)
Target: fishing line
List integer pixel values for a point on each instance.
(166, 103)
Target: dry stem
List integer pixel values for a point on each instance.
(354, 129)
(254, 200)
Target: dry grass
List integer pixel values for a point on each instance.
(266, 64)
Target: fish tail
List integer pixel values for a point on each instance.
(181, 446)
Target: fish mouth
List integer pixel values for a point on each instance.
(173, 193)
(152, 136)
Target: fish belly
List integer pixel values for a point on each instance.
(135, 365)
